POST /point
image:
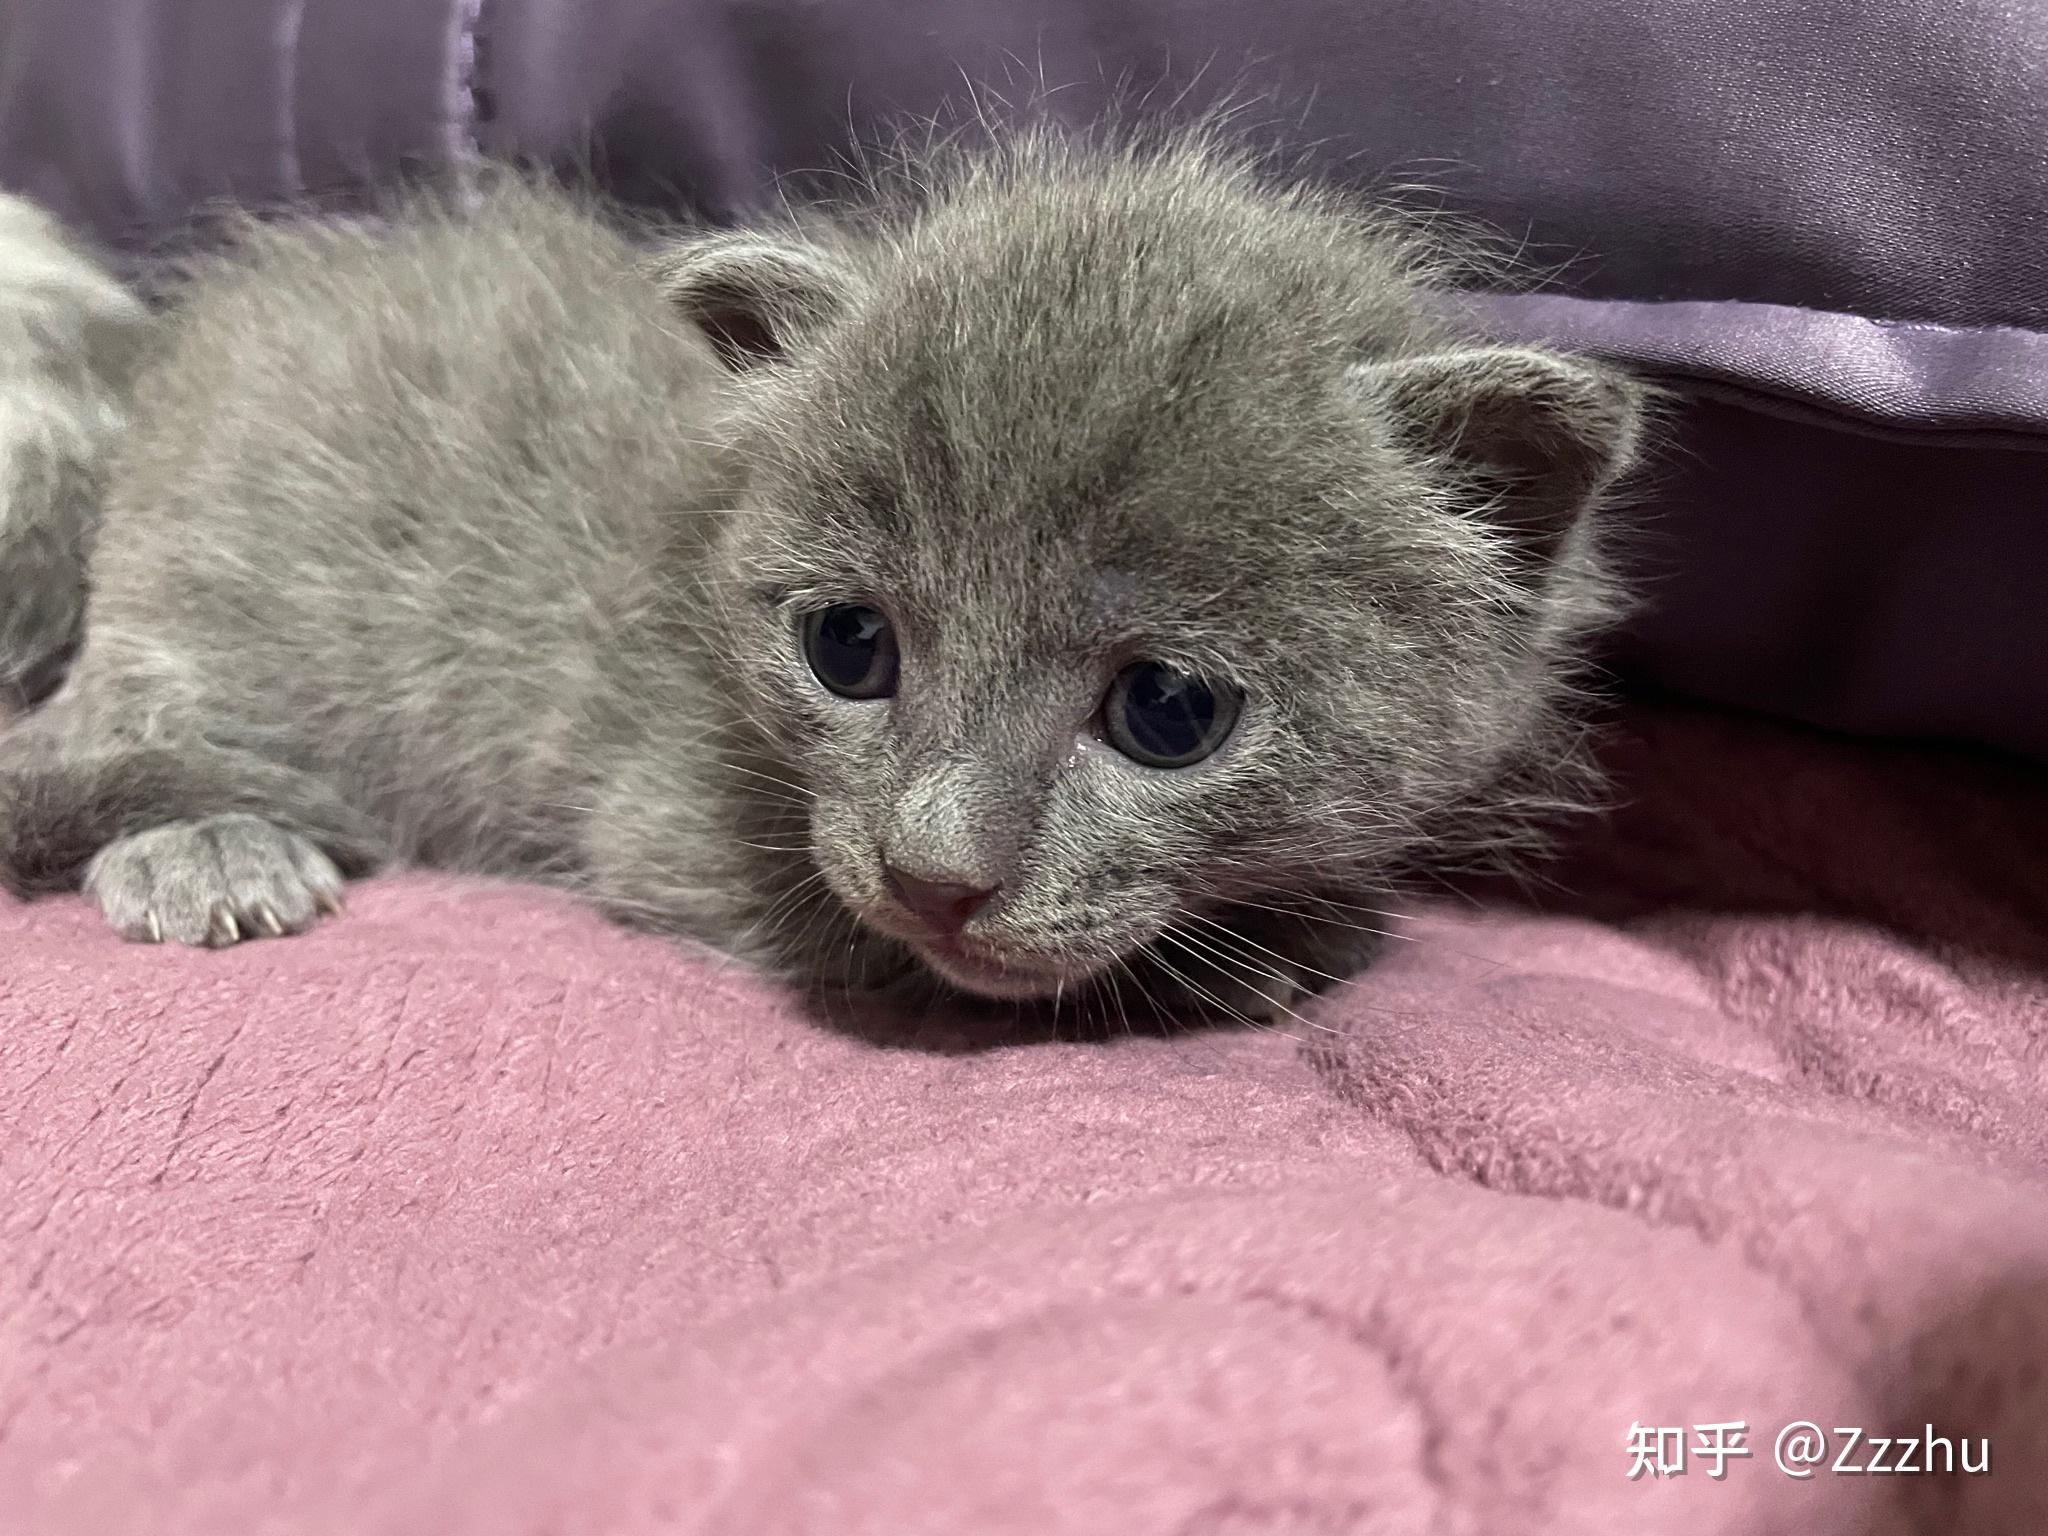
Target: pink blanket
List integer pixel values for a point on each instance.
(468, 1214)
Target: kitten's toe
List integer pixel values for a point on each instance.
(213, 883)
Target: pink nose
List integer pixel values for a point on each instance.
(945, 904)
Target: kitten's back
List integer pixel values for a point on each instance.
(390, 484)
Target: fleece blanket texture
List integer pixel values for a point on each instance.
(469, 1214)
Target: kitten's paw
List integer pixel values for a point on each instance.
(213, 882)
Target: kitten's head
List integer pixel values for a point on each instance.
(1123, 540)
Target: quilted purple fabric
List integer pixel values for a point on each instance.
(1825, 222)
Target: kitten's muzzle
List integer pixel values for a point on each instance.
(982, 968)
(939, 911)
(955, 927)
(943, 906)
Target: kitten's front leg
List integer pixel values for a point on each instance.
(188, 844)
(69, 338)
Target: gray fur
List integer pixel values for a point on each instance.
(482, 540)
(69, 336)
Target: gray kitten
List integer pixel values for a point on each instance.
(69, 336)
(1084, 572)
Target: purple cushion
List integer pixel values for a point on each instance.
(1825, 222)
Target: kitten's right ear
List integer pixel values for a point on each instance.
(753, 296)
(1537, 436)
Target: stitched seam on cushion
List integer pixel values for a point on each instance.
(1928, 325)
(468, 92)
(1825, 415)
(291, 25)
(1814, 407)
(1616, 300)
(1638, 1194)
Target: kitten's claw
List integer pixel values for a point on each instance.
(213, 883)
(223, 930)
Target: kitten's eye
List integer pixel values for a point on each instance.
(1164, 718)
(852, 649)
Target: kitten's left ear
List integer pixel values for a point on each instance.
(753, 296)
(1536, 434)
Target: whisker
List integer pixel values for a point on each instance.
(785, 909)
(1188, 942)
(1355, 906)
(1228, 1011)
(786, 808)
(803, 794)
(1317, 917)
(1125, 967)
(1226, 932)
(1342, 981)
(1116, 992)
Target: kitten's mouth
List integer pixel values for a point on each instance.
(975, 968)
(980, 963)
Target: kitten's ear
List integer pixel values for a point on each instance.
(753, 296)
(1536, 435)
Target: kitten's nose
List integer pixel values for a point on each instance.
(945, 904)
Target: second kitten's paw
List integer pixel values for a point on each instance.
(213, 882)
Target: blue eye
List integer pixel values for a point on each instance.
(1165, 718)
(852, 649)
